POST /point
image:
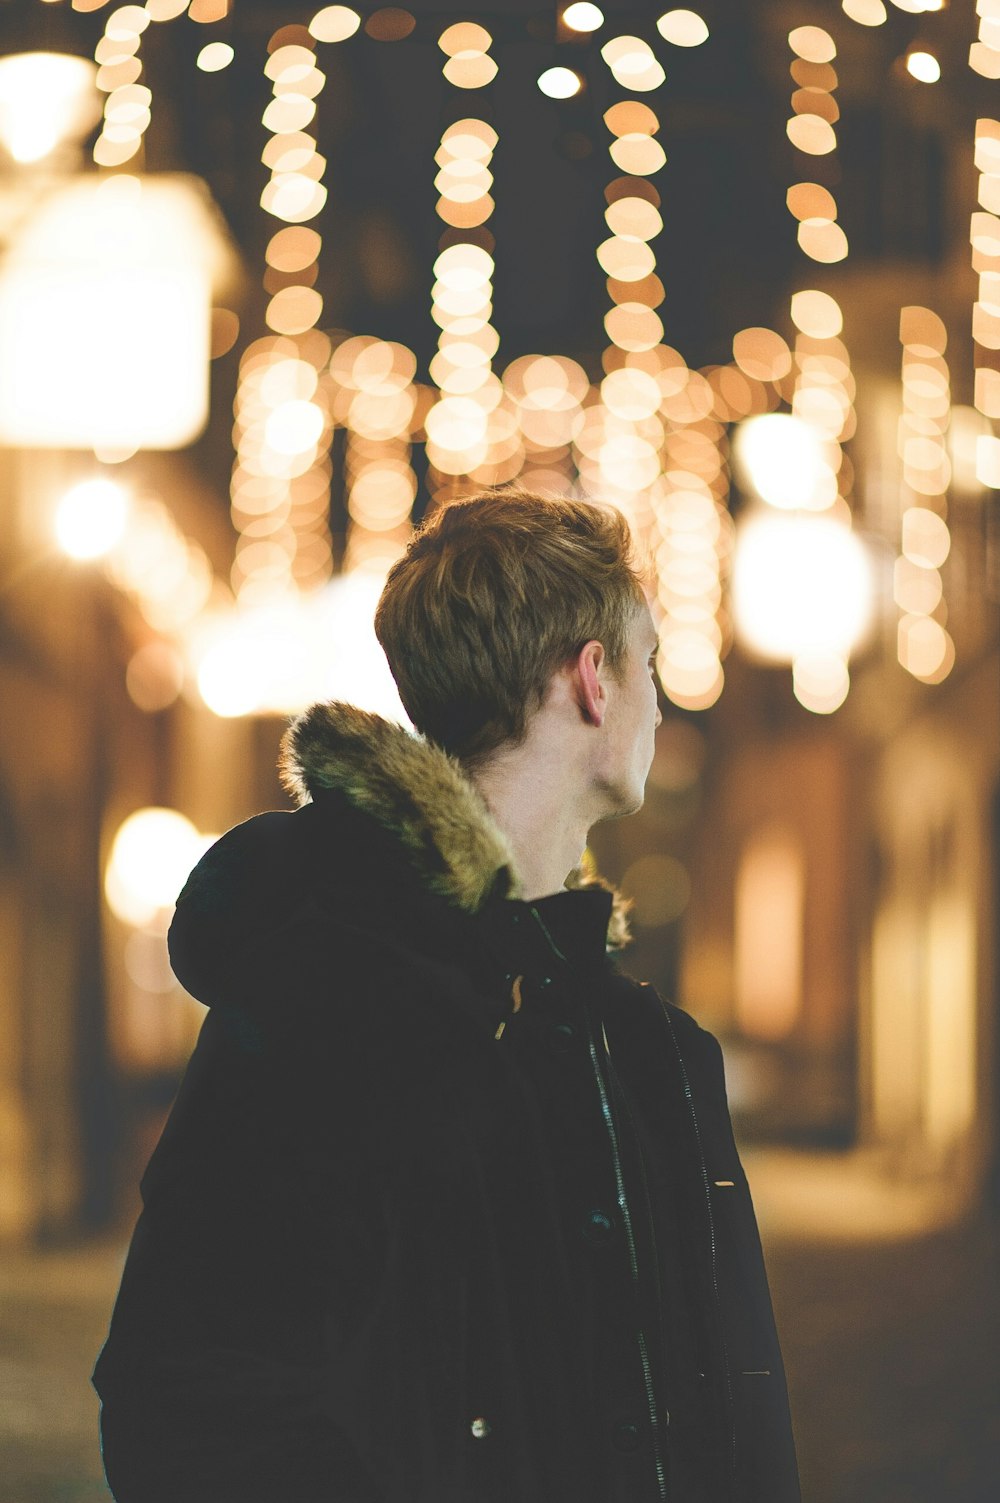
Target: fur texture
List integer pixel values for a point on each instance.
(422, 795)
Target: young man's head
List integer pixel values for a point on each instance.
(492, 598)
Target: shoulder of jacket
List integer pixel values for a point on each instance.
(691, 1036)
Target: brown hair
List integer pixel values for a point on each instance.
(492, 596)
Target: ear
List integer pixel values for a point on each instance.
(591, 694)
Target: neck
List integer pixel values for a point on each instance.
(536, 803)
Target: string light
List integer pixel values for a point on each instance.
(281, 473)
(583, 17)
(468, 65)
(984, 54)
(633, 63)
(866, 12)
(649, 441)
(377, 402)
(682, 28)
(214, 57)
(811, 129)
(469, 426)
(650, 437)
(924, 647)
(127, 106)
(560, 83)
(985, 237)
(923, 66)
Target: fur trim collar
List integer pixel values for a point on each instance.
(423, 796)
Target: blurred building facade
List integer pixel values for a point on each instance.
(821, 890)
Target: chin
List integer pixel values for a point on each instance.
(626, 801)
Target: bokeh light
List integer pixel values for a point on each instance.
(817, 314)
(45, 98)
(813, 44)
(560, 83)
(633, 63)
(215, 56)
(581, 16)
(802, 586)
(923, 66)
(335, 23)
(155, 676)
(783, 460)
(866, 12)
(683, 28)
(91, 518)
(151, 856)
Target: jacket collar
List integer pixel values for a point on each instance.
(422, 797)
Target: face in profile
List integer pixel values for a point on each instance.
(632, 717)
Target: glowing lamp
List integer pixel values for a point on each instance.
(560, 83)
(784, 462)
(90, 519)
(923, 66)
(582, 16)
(105, 316)
(802, 588)
(46, 98)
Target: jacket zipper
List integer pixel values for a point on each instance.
(711, 1231)
(627, 1223)
(633, 1262)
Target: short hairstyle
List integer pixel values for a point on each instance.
(493, 594)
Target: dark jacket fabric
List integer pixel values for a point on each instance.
(448, 1208)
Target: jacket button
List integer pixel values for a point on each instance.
(626, 1435)
(598, 1227)
(480, 1428)
(561, 1038)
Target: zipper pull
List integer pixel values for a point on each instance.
(515, 996)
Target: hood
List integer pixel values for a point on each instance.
(262, 875)
(420, 795)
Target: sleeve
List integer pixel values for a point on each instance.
(766, 1459)
(255, 1259)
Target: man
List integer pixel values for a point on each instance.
(448, 1209)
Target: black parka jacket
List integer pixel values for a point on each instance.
(448, 1209)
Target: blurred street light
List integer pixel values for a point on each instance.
(684, 28)
(90, 519)
(783, 460)
(560, 83)
(151, 857)
(923, 66)
(105, 315)
(802, 587)
(583, 17)
(46, 99)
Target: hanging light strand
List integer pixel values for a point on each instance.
(984, 53)
(119, 69)
(822, 383)
(984, 233)
(469, 427)
(281, 473)
(648, 441)
(924, 648)
(811, 129)
(377, 402)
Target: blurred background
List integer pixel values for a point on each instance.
(276, 280)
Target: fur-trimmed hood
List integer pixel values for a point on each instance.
(420, 795)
